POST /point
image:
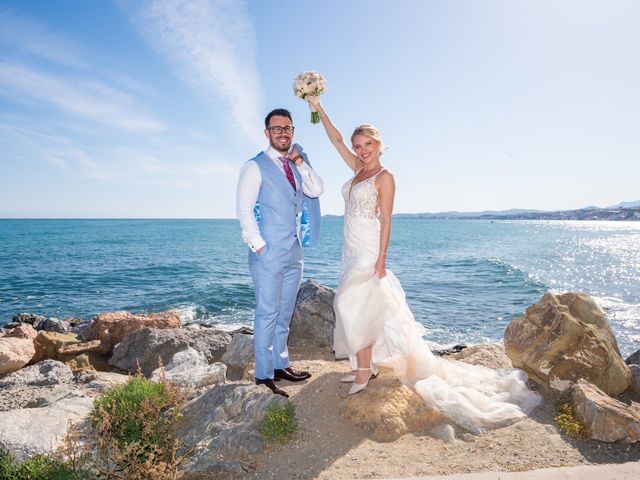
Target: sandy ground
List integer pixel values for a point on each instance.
(328, 446)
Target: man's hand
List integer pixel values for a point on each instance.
(260, 250)
(294, 155)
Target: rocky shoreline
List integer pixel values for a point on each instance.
(51, 370)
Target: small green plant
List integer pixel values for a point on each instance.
(133, 426)
(567, 420)
(37, 467)
(279, 423)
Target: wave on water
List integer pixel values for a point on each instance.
(228, 319)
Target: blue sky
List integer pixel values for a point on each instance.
(147, 109)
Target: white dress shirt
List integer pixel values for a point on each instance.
(248, 189)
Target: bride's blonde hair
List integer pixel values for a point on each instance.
(370, 131)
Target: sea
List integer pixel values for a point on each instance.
(465, 280)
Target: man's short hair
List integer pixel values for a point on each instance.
(280, 112)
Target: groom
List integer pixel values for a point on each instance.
(272, 189)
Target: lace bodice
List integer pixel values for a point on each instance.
(361, 199)
(361, 224)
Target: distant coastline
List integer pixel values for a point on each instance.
(616, 213)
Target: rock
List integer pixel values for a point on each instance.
(222, 423)
(34, 385)
(607, 419)
(28, 431)
(635, 377)
(313, 318)
(86, 361)
(633, 359)
(151, 348)
(15, 353)
(42, 374)
(190, 368)
(448, 351)
(444, 432)
(30, 318)
(389, 410)
(490, 355)
(22, 330)
(82, 328)
(564, 338)
(101, 381)
(238, 356)
(48, 344)
(79, 347)
(53, 325)
(111, 327)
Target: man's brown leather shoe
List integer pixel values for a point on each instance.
(290, 374)
(272, 386)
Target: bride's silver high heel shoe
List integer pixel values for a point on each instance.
(358, 387)
(351, 377)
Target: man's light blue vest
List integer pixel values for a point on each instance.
(278, 206)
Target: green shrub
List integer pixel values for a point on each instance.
(132, 435)
(567, 420)
(37, 467)
(279, 423)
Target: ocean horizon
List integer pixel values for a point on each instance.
(464, 279)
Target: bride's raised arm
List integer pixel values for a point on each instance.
(335, 136)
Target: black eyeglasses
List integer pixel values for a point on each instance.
(278, 130)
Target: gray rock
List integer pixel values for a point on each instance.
(82, 328)
(223, 423)
(42, 374)
(313, 318)
(53, 325)
(27, 432)
(633, 359)
(101, 381)
(239, 355)
(30, 318)
(150, 348)
(635, 377)
(444, 432)
(189, 368)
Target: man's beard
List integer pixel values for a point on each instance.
(284, 149)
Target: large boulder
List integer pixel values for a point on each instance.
(33, 385)
(29, 431)
(490, 355)
(16, 348)
(221, 426)
(111, 327)
(42, 374)
(607, 419)
(190, 368)
(564, 338)
(238, 356)
(313, 318)
(148, 348)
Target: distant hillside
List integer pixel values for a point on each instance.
(588, 213)
(621, 211)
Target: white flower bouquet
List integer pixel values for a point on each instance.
(310, 84)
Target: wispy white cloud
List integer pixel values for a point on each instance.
(22, 35)
(211, 46)
(80, 96)
(175, 164)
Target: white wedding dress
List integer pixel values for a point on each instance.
(373, 311)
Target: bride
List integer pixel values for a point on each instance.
(374, 322)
